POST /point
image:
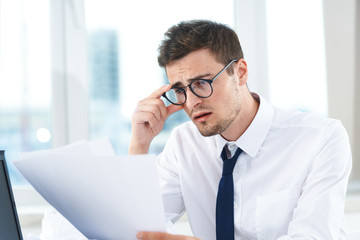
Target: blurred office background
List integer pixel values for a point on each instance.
(75, 69)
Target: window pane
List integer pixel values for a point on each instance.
(296, 45)
(24, 79)
(123, 41)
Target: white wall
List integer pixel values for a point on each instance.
(343, 77)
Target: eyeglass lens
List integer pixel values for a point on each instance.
(200, 88)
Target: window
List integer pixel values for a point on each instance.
(25, 117)
(296, 55)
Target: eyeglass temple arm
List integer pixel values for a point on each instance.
(232, 61)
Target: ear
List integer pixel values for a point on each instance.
(241, 71)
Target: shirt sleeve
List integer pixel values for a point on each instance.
(169, 181)
(319, 213)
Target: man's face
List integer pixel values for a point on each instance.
(215, 114)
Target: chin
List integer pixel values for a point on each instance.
(207, 132)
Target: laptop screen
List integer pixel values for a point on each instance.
(9, 224)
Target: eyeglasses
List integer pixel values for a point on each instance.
(202, 88)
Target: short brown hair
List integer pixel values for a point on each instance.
(188, 36)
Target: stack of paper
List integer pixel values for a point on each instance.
(104, 196)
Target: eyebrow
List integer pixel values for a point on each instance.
(201, 76)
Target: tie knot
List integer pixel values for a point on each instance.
(229, 163)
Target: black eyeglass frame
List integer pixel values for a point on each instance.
(209, 81)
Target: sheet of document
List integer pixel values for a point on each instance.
(103, 196)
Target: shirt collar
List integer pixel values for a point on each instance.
(252, 139)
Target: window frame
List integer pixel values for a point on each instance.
(69, 72)
(342, 54)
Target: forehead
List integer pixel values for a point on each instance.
(198, 63)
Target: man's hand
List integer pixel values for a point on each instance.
(162, 236)
(148, 120)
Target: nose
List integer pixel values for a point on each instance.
(192, 100)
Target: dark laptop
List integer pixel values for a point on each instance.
(9, 221)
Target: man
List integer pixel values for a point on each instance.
(290, 179)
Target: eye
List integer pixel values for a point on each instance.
(178, 90)
(199, 84)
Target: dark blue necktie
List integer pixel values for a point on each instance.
(225, 198)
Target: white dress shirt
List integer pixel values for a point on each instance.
(289, 183)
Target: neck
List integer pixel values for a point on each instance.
(248, 110)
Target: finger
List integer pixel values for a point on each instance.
(160, 236)
(150, 236)
(153, 109)
(153, 105)
(147, 118)
(159, 92)
(172, 109)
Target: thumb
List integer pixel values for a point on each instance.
(172, 109)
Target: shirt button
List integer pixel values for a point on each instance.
(235, 205)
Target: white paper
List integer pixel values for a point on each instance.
(55, 227)
(104, 197)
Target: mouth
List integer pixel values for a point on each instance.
(201, 117)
